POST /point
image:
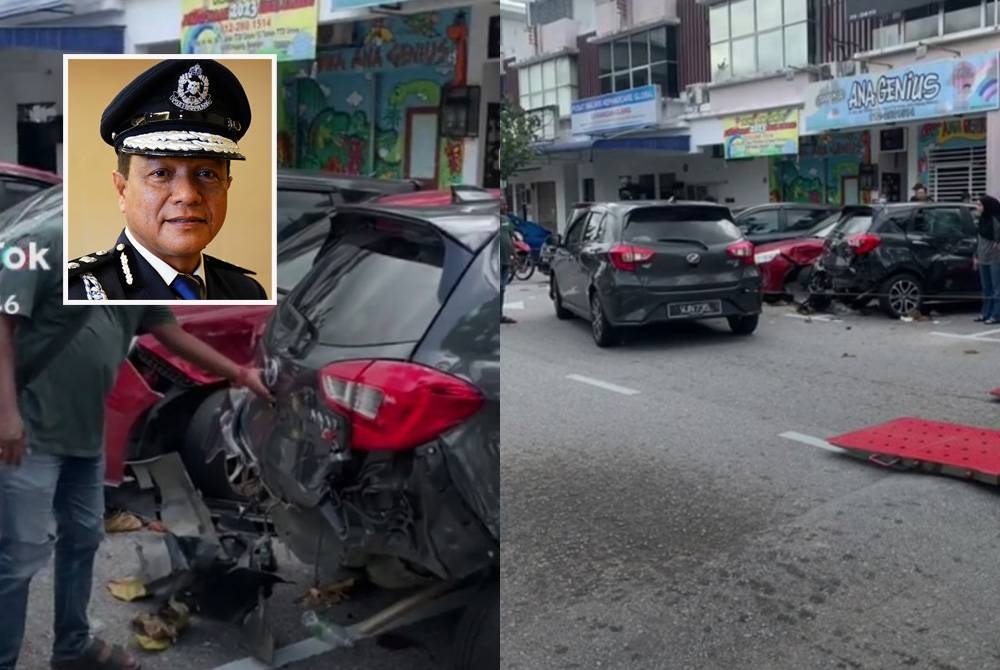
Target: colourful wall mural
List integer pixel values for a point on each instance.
(816, 174)
(352, 116)
(958, 134)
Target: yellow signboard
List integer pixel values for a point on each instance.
(772, 133)
(283, 27)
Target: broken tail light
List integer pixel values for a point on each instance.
(395, 405)
(741, 251)
(863, 243)
(626, 257)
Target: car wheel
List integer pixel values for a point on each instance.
(477, 638)
(225, 476)
(561, 311)
(603, 332)
(743, 325)
(901, 295)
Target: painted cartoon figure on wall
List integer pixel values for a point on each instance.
(961, 134)
(352, 116)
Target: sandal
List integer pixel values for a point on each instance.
(99, 655)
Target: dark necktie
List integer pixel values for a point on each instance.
(188, 287)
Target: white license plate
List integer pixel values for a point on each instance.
(687, 310)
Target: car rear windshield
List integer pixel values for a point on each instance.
(709, 225)
(378, 282)
(298, 207)
(855, 224)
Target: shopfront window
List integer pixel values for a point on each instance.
(551, 83)
(750, 36)
(648, 57)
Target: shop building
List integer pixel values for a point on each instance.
(410, 93)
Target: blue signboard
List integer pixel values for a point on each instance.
(340, 5)
(633, 108)
(925, 91)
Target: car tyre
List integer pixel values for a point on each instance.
(901, 295)
(743, 325)
(561, 311)
(225, 476)
(477, 638)
(603, 332)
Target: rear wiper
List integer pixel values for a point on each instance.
(681, 240)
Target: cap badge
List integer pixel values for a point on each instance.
(192, 91)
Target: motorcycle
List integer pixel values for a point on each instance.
(524, 263)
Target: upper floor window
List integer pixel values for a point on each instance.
(641, 59)
(551, 83)
(750, 36)
(934, 19)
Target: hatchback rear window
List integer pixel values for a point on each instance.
(709, 225)
(855, 224)
(378, 282)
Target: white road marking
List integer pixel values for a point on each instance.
(514, 305)
(967, 338)
(293, 653)
(603, 385)
(812, 441)
(814, 317)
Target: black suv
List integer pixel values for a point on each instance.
(781, 220)
(633, 264)
(904, 255)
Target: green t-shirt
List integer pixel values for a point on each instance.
(63, 406)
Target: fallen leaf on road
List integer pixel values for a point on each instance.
(147, 643)
(327, 596)
(970, 351)
(128, 589)
(122, 522)
(848, 356)
(154, 627)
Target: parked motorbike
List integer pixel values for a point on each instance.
(524, 264)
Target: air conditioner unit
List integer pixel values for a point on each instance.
(697, 94)
(846, 68)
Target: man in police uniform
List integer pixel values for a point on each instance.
(174, 129)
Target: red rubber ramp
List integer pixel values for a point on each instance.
(969, 452)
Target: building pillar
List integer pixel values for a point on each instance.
(570, 194)
(912, 161)
(992, 154)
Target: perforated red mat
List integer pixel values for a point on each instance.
(966, 447)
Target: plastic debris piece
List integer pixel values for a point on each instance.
(122, 522)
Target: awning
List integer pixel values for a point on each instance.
(100, 40)
(675, 143)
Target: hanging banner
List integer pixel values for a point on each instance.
(772, 133)
(286, 28)
(966, 85)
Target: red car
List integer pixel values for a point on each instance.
(458, 195)
(18, 182)
(786, 266)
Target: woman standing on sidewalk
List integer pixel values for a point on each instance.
(988, 257)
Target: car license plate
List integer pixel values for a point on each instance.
(687, 310)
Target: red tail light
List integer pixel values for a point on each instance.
(627, 257)
(863, 243)
(742, 251)
(393, 405)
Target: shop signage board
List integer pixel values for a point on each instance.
(340, 5)
(937, 89)
(9, 8)
(771, 133)
(634, 108)
(286, 28)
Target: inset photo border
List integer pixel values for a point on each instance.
(123, 240)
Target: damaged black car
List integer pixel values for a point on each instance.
(381, 450)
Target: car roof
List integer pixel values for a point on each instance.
(15, 170)
(796, 205)
(318, 180)
(910, 205)
(468, 225)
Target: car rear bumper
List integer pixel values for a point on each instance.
(775, 274)
(636, 306)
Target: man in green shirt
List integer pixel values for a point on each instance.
(57, 364)
(506, 258)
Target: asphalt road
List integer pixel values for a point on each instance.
(663, 522)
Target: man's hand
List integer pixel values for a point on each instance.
(251, 379)
(13, 441)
